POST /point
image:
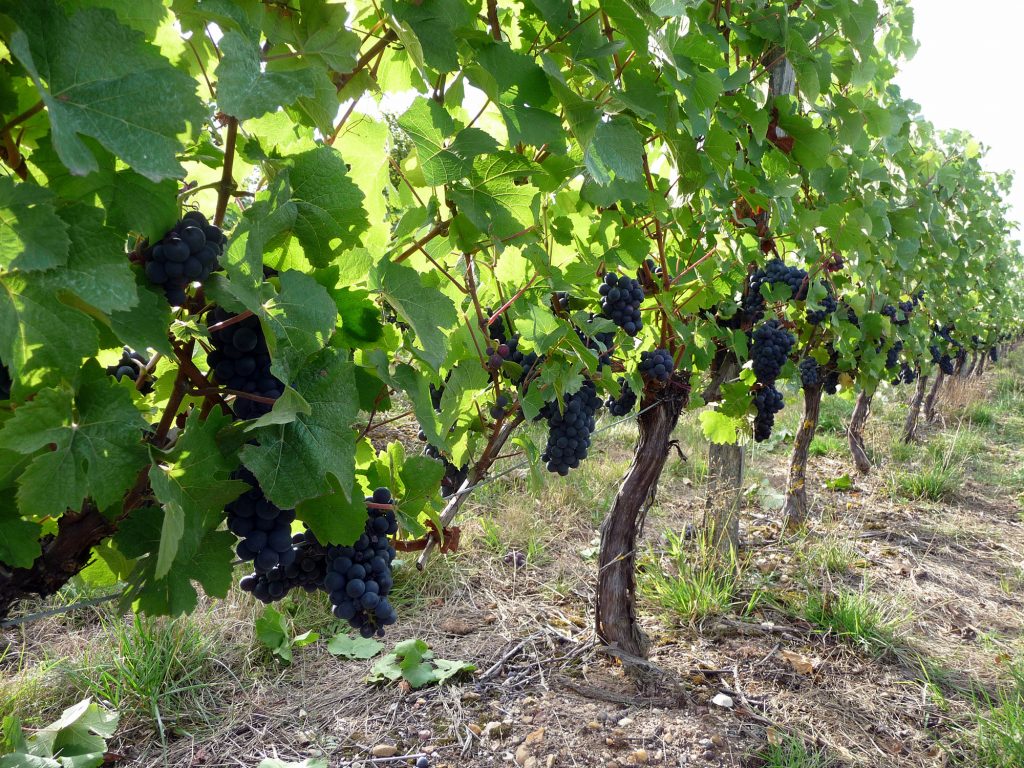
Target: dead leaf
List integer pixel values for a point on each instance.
(799, 662)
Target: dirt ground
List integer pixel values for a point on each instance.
(943, 575)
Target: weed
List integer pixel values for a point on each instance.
(935, 483)
(154, 667)
(854, 618)
(793, 753)
(830, 555)
(826, 444)
(998, 733)
(697, 582)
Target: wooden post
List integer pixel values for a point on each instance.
(725, 477)
(795, 508)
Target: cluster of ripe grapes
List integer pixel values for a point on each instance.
(569, 432)
(601, 344)
(810, 373)
(305, 572)
(768, 401)
(621, 297)
(770, 350)
(946, 359)
(624, 404)
(773, 273)
(264, 529)
(186, 254)
(828, 306)
(904, 307)
(359, 578)
(240, 361)
(892, 356)
(5, 382)
(131, 365)
(657, 365)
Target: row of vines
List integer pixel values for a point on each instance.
(240, 239)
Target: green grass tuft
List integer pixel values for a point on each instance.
(793, 753)
(826, 444)
(691, 581)
(999, 726)
(934, 483)
(854, 618)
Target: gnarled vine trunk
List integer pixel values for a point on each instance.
(933, 393)
(914, 410)
(855, 433)
(979, 369)
(795, 508)
(616, 622)
(63, 555)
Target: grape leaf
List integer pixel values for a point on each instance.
(41, 338)
(244, 90)
(719, 428)
(97, 270)
(98, 451)
(19, 538)
(301, 317)
(421, 477)
(349, 647)
(497, 199)
(436, 24)
(193, 482)
(203, 555)
(144, 326)
(614, 152)
(293, 462)
(337, 518)
(120, 100)
(429, 312)
(32, 236)
(329, 215)
(429, 126)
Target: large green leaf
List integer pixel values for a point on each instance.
(96, 435)
(100, 78)
(428, 311)
(245, 89)
(297, 461)
(32, 236)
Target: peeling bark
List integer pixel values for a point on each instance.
(914, 410)
(855, 433)
(795, 508)
(616, 622)
(929, 402)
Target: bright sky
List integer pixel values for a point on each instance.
(966, 74)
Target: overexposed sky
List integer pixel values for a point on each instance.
(967, 74)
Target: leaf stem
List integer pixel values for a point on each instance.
(227, 183)
(35, 108)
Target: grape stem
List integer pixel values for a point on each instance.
(230, 321)
(441, 228)
(227, 184)
(475, 474)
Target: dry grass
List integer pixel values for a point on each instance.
(886, 641)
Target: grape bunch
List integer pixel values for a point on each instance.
(560, 302)
(620, 301)
(892, 357)
(768, 401)
(498, 330)
(831, 382)
(306, 572)
(906, 375)
(453, 477)
(770, 350)
(657, 365)
(359, 577)
(828, 306)
(497, 355)
(131, 364)
(993, 355)
(186, 254)
(5, 382)
(526, 361)
(810, 375)
(569, 432)
(774, 272)
(264, 529)
(500, 407)
(436, 393)
(625, 403)
(240, 360)
(851, 315)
